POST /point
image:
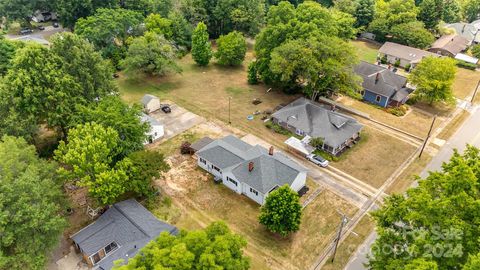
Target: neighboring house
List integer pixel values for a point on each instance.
(156, 128)
(470, 31)
(305, 117)
(119, 233)
(40, 16)
(150, 103)
(381, 86)
(250, 170)
(450, 45)
(404, 54)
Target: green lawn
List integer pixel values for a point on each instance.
(367, 51)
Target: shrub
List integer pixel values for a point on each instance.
(383, 60)
(316, 142)
(231, 49)
(252, 73)
(408, 67)
(398, 111)
(397, 63)
(466, 65)
(476, 51)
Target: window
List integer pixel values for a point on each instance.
(203, 161)
(217, 169)
(111, 247)
(95, 258)
(254, 191)
(232, 181)
(299, 132)
(378, 98)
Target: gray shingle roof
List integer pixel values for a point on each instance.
(269, 171)
(387, 84)
(319, 122)
(201, 143)
(126, 223)
(411, 54)
(466, 30)
(147, 98)
(453, 44)
(152, 121)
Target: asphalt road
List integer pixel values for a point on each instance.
(468, 133)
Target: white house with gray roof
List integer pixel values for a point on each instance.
(156, 130)
(119, 233)
(250, 170)
(305, 117)
(150, 103)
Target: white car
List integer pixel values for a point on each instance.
(318, 160)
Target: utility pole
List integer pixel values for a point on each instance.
(428, 136)
(475, 92)
(339, 235)
(229, 121)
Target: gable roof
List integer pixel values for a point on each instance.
(318, 122)
(269, 170)
(152, 121)
(466, 30)
(411, 54)
(453, 44)
(147, 98)
(387, 83)
(126, 223)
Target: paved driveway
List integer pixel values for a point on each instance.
(177, 121)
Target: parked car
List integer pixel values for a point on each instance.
(41, 27)
(318, 160)
(56, 25)
(26, 31)
(166, 108)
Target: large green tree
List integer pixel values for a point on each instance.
(412, 34)
(435, 226)
(47, 85)
(112, 112)
(7, 52)
(201, 47)
(152, 54)
(109, 27)
(471, 10)
(433, 78)
(216, 247)
(146, 166)
(282, 211)
(222, 17)
(231, 49)
(39, 87)
(431, 12)
(365, 12)
(31, 202)
(292, 34)
(69, 11)
(88, 157)
(175, 27)
(21, 10)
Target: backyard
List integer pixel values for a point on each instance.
(367, 51)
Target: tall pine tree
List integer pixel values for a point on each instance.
(201, 48)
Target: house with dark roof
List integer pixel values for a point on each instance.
(405, 55)
(119, 233)
(449, 45)
(381, 86)
(250, 170)
(307, 118)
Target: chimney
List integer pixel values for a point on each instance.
(463, 29)
(270, 151)
(377, 77)
(250, 166)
